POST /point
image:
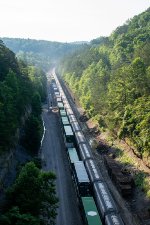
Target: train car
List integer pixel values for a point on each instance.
(85, 151)
(55, 88)
(82, 182)
(92, 171)
(60, 106)
(63, 113)
(70, 113)
(68, 136)
(72, 155)
(54, 85)
(64, 97)
(72, 118)
(58, 99)
(68, 109)
(66, 104)
(53, 80)
(64, 120)
(57, 94)
(113, 219)
(104, 200)
(89, 211)
(80, 137)
(75, 126)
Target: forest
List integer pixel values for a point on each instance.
(22, 88)
(33, 193)
(111, 79)
(40, 53)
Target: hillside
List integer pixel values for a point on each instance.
(39, 52)
(111, 79)
(19, 86)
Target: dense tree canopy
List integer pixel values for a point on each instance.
(111, 78)
(22, 88)
(42, 54)
(7, 61)
(32, 198)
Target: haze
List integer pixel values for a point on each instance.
(66, 20)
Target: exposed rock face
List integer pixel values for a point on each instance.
(9, 163)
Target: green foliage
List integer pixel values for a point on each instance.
(38, 78)
(7, 61)
(14, 217)
(141, 178)
(100, 41)
(135, 124)
(39, 53)
(143, 182)
(11, 93)
(79, 61)
(33, 131)
(111, 78)
(31, 196)
(100, 120)
(36, 104)
(20, 87)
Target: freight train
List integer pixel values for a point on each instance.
(97, 204)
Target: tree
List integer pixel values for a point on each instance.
(14, 217)
(34, 193)
(32, 134)
(19, 88)
(7, 61)
(36, 104)
(111, 78)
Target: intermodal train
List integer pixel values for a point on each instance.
(97, 204)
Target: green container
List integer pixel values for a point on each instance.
(90, 211)
(60, 105)
(68, 131)
(69, 136)
(65, 120)
(62, 112)
(73, 155)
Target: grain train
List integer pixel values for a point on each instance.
(97, 204)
